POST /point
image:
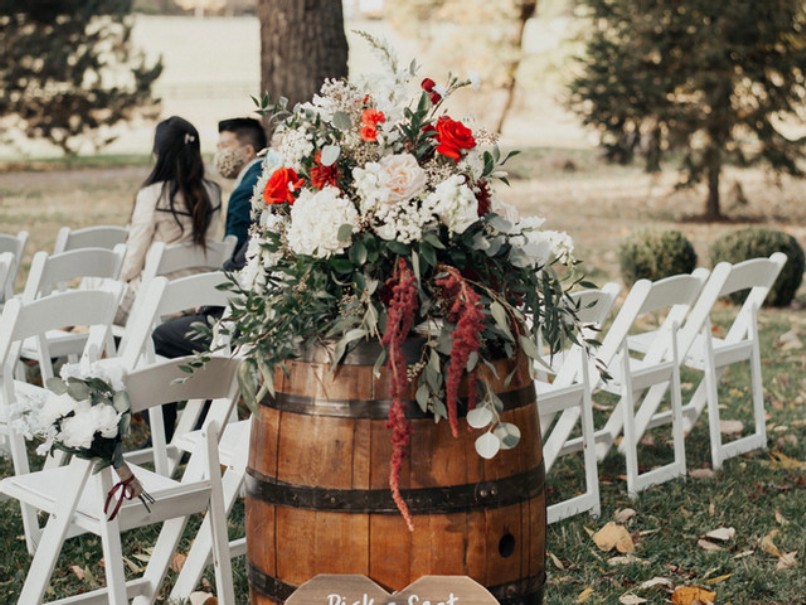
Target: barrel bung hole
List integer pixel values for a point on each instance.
(506, 545)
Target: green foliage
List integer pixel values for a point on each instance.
(654, 255)
(755, 242)
(712, 79)
(67, 72)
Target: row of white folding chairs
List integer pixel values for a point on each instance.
(645, 365)
(23, 320)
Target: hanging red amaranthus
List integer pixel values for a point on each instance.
(400, 316)
(465, 312)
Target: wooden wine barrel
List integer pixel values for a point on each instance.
(318, 498)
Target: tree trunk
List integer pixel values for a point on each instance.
(712, 211)
(527, 11)
(302, 42)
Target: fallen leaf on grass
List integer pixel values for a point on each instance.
(789, 341)
(718, 579)
(692, 595)
(557, 563)
(780, 518)
(614, 535)
(631, 599)
(177, 561)
(702, 473)
(781, 460)
(133, 567)
(735, 393)
(202, 598)
(731, 427)
(584, 595)
(657, 581)
(709, 546)
(723, 533)
(743, 554)
(623, 515)
(145, 558)
(77, 572)
(787, 560)
(625, 560)
(768, 546)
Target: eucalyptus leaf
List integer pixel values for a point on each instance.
(508, 433)
(330, 153)
(56, 385)
(479, 418)
(500, 224)
(500, 316)
(345, 232)
(78, 391)
(422, 396)
(341, 121)
(529, 347)
(488, 445)
(121, 403)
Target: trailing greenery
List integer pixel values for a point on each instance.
(755, 242)
(653, 255)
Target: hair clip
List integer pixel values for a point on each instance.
(189, 138)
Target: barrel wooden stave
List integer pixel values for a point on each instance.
(353, 454)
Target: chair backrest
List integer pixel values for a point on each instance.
(675, 294)
(100, 236)
(15, 244)
(23, 319)
(51, 272)
(594, 306)
(161, 298)
(163, 259)
(165, 382)
(6, 265)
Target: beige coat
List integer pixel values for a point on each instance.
(152, 221)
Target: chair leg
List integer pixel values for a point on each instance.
(113, 551)
(30, 520)
(758, 388)
(218, 520)
(53, 537)
(589, 452)
(711, 380)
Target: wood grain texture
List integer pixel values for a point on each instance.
(497, 544)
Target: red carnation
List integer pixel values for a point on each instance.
(370, 118)
(453, 137)
(428, 86)
(281, 187)
(322, 176)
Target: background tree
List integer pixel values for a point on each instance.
(718, 80)
(67, 71)
(302, 42)
(484, 36)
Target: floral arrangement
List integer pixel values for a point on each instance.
(85, 412)
(378, 215)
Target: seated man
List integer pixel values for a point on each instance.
(240, 140)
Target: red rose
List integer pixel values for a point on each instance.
(370, 118)
(321, 176)
(453, 137)
(281, 187)
(428, 86)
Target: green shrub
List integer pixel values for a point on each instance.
(755, 242)
(654, 255)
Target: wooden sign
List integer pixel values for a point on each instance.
(330, 589)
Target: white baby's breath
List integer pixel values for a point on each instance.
(454, 203)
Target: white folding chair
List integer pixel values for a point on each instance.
(163, 298)
(99, 236)
(22, 321)
(701, 350)
(52, 273)
(570, 394)
(163, 259)
(15, 244)
(74, 497)
(632, 378)
(6, 268)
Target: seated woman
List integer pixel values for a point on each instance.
(175, 204)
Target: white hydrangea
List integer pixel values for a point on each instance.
(372, 186)
(56, 407)
(294, 145)
(79, 430)
(110, 370)
(316, 219)
(542, 247)
(454, 203)
(506, 211)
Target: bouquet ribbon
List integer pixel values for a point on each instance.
(128, 488)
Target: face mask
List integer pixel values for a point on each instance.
(228, 162)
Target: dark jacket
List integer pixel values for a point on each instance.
(239, 210)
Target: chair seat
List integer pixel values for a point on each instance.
(725, 353)
(642, 374)
(552, 399)
(43, 490)
(235, 435)
(60, 344)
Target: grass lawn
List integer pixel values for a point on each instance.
(761, 495)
